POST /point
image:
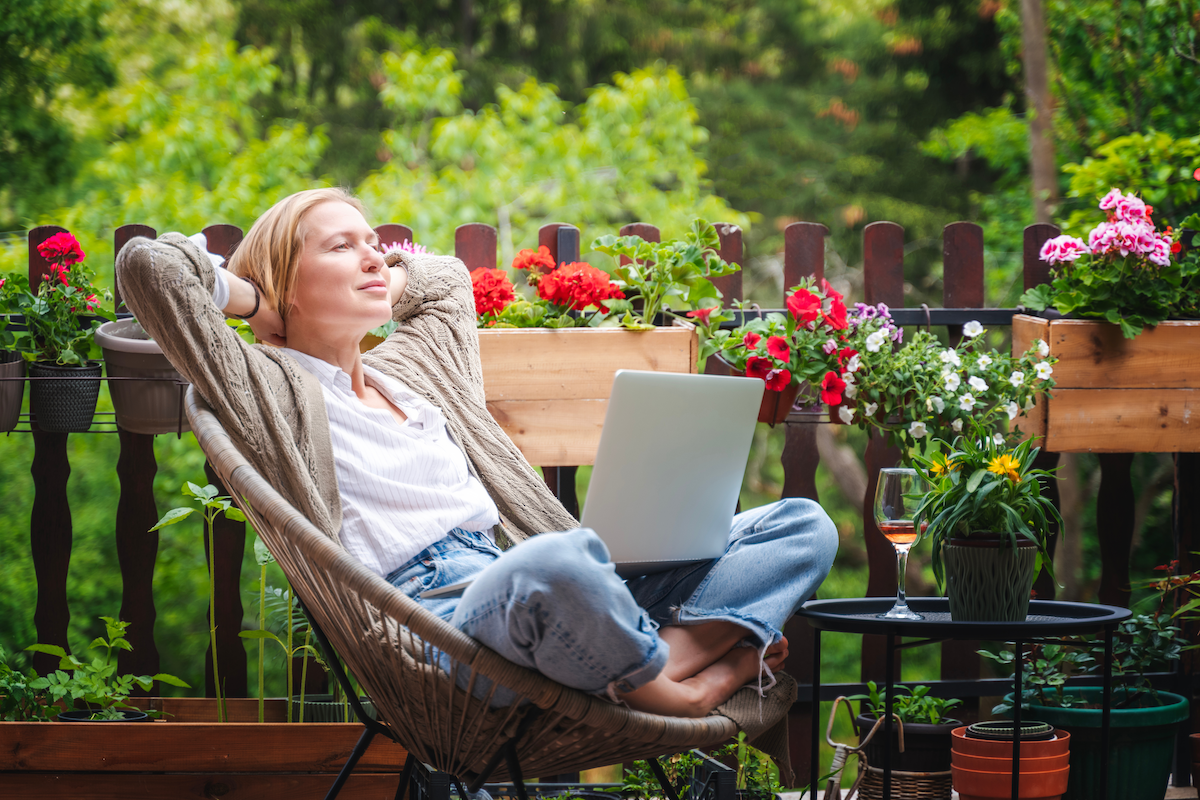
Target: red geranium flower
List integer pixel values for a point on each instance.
(804, 306)
(62, 249)
(777, 347)
(1196, 174)
(493, 291)
(702, 314)
(578, 285)
(776, 379)
(831, 389)
(538, 260)
(1176, 247)
(751, 340)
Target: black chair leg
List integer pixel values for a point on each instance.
(668, 789)
(363, 742)
(405, 777)
(514, 769)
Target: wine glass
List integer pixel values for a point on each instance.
(896, 498)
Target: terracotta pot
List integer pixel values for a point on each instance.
(974, 785)
(777, 405)
(991, 748)
(1004, 765)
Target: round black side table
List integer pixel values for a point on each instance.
(1046, 618)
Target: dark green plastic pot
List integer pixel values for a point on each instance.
(1141, 743)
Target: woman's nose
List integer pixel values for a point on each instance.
(374, 259)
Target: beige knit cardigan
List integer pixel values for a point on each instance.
(274, 410)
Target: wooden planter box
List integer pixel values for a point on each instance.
(190, 755)
(1116, 395)
(549, 388)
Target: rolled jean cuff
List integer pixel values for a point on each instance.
(639, 676)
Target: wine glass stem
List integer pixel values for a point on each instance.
(901, 570)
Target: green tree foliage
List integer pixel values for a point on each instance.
(48, 49)
(627, 154)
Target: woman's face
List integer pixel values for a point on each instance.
(342, 284)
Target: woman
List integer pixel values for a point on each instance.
(394, 454)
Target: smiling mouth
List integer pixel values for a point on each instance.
(373, 285)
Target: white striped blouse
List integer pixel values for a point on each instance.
(403, 486)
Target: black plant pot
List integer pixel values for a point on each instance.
(64, 406)
(926, 747)
(11, 391)
(83, 714)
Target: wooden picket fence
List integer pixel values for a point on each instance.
(475, 244)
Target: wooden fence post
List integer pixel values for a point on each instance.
(50, 532)
(962, 287)
(883, 282)
(803, 257)
(562, 240)
(1036, 272)
(475, 244)
(229, 544)
(137, 548)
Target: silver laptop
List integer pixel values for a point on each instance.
(669, 469)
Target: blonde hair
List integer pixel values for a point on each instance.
(270, 253)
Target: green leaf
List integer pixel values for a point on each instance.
(975, 479)
(171, 517)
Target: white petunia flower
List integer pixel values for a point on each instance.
(977, 383)
(984, 361)
(939, 405)
(876, 341)
(956, 426)
(966, 402)
(1029, 403)
(845, 414)
(952, 382)
(998, 438)
(853, 364)
(1012, 409)
(1043, 370)
(851, 388)
(1043, 349)
(972, 329)
(917, 430)
(870, 408)
(1017, 378)
(950, 356)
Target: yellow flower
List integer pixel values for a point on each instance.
(941, 465)
(1005, 465)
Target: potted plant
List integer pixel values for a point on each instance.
(925, 723)
(550, 352)
(1143, 720)
(1128, 291)
(92, 691)
(12, 366)
(60, 318)
(981, 760)
(152, 404)
(988, 520)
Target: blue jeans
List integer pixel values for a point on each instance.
(554, 603)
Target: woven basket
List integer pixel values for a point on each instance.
(906, 785)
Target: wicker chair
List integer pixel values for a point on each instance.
(392, 646)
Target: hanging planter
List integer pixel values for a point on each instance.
(153, 404)
(67, 405)
(777, 405)
(987, 580)
(12, 366)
